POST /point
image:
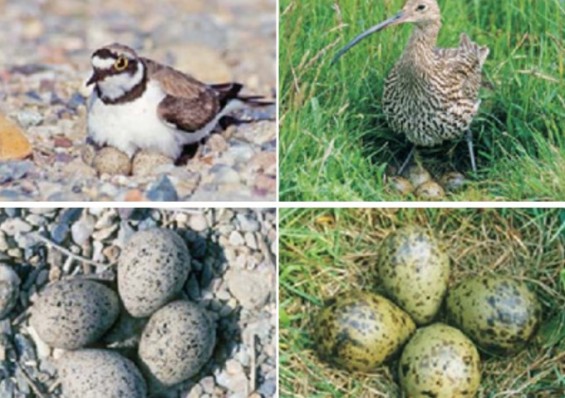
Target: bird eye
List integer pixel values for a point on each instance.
(121, 63)
(421, 7)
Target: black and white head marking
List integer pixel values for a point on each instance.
(120, 76)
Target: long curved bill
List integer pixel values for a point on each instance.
(393, 20)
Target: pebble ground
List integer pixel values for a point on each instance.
(45, 50)
(233, 277)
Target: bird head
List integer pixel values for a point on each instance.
(116, 70)
(419, 12)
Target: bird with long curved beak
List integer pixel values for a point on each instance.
(431, 94)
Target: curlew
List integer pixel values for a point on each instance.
(431, 94)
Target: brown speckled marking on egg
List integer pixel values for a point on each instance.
(360, 330)
(152, 269)
(177, 341)
(414, 271)
(100, 373)
(440, 362)
(71, 314)
(500, 314)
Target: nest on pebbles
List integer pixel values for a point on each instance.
(230, 285)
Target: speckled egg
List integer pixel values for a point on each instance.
(71, 314)
(440, 362)
(414, 270)
(430, 191)
(360, 330)
(112, 161)
(500, 314)
(176, 343)
(152, 270)
(9, 289)
(99, 373)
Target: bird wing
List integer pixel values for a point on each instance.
(463, 65)
(189, 104)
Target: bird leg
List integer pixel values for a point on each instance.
(469, 138)
(407, 161)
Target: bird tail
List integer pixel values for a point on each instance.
(481, 52)
(230, 91)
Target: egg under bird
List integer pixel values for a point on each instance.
(138, 103)
(431, 94)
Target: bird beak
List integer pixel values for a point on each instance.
(95, 78)
(398, 18)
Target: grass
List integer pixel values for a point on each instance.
(324, 251)
(335, 144)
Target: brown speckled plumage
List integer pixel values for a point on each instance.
(431, 94)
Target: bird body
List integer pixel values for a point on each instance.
(140, 104)
(431, 94)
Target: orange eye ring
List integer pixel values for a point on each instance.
(121, 63)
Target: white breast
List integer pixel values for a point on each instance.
(133, 125)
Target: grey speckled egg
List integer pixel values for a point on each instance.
(178, 340)
(500, 314)
(440, 361)
(9, 289)
(414, 271)
(152, 269)
(100, 373)
(360, 330)
(71, 314)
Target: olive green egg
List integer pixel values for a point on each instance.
(439, 361)
(414, 271)
(500, 314)
(360, 330)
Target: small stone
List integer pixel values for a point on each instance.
(250, 241)
(268, 388)
(9, 289)
(250, 288)
(265, 183)
(224, 175)
(62, 142)
(208, 384)
(82, 230)
(266, 162)
(147, 163)
(195, 392)
(236, 239)
(14, 144)
(198, 222)
(60, 232)
(233, 378)
(112, 161)
(430, 190)
(162, 191)
(192, 288)
(14, 170)
(28, 118)
(248, 224)
(217, 143)
(15, 226)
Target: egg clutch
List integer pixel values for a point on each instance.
(361, 330)
(177, 336)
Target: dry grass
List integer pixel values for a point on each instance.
(326, 251)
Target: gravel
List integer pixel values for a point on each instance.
(233, 282)
(46, 48)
